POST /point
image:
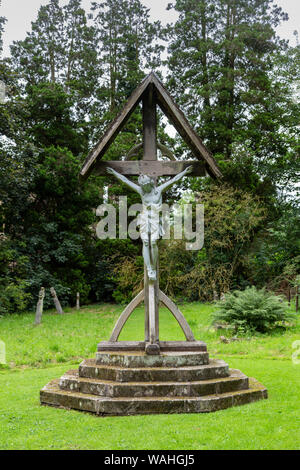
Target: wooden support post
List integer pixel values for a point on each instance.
(56, 301)
(289, 296)
(152, 314)
(178, 315)
(146, 302)
(152, 347)
(39, 307)
(149, 126)
(125, 315)
(77, 301)
(151, 287)
(156, 298)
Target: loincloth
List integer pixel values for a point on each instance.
(150, 223)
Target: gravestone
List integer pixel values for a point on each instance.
(56, 301)
(151, 376)
(39, 307)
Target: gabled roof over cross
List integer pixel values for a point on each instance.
(151, 91)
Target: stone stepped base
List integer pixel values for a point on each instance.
(103, 406)
(163, 346)
(132, 382)
(139, 359)
(215, 368)
(106, 388)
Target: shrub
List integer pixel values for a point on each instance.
(128, 272)
(252, 310)
(13, 298)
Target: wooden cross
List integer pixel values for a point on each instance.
(152, 93)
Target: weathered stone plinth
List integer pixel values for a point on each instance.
(132, 382)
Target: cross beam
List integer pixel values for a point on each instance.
(150, 167)
(149, 125)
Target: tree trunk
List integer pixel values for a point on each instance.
(205, 81)
(52, 65)
(70, 59)
(230, 79)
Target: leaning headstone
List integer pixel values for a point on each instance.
(56, 301)
(77, 301)
(39, 307)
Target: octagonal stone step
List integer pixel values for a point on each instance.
(105, 388)
(52, 395)
(215, 369)
(136, 359)
(163, 345)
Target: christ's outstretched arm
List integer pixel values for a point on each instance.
(124, 180)
(163, 187)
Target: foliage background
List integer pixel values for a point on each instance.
(234, 79)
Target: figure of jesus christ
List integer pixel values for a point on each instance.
(149, 219)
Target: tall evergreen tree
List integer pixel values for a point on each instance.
(127, 46)
(2, 84)
(60, 50)
(226, 66)
(2, 23)
(46, 213)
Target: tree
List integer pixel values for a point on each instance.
(51, 224)
(51, 121)
(274, 259)
(5, 81)
(46, 214)
(2, 23)
(126, 46)
(61, 50)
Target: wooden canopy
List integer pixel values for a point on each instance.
(206, 162)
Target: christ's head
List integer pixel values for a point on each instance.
(146, 182)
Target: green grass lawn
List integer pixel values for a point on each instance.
(35, 355)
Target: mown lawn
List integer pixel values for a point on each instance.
(35, 355)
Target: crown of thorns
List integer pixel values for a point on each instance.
(144, 179)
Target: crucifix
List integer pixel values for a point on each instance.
(151, 93)
(151, 376)
(149, 220)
